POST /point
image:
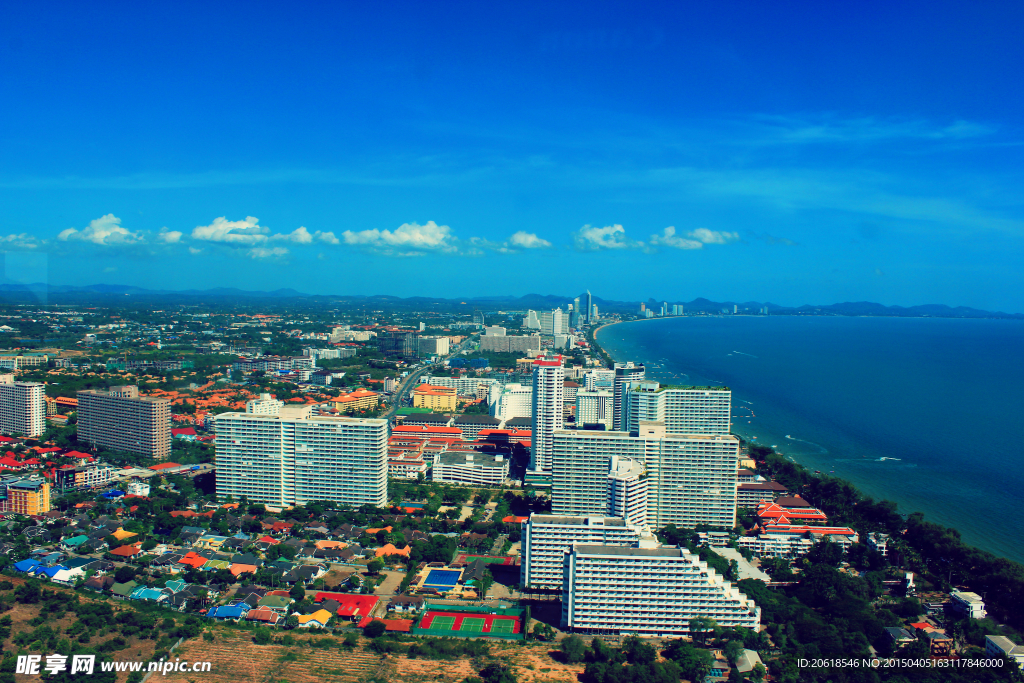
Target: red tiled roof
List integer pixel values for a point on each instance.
(129, 550)
(164, 466)
(404, 625)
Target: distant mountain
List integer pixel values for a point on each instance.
(104, 293)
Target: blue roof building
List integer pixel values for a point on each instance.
(26, 565)
(229, 611)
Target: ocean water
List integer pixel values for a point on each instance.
(926, 412)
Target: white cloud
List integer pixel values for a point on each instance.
(22, 241)
(713, 236)
(267, 252)
(669, 238)
(609, 237)
(241, 233)
(431, 237)
(528, 240)
(326, 237)
(300, 236)
(193, 250)
(169, 236)
(105, 231)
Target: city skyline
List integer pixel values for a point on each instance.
(698, 141)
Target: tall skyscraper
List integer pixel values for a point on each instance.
(548, 395)
(684, 410)
(294, 457)
(531, 321)
(22, 407)
(123, 420)
(591, 311)
(625, 373)
(691, 478)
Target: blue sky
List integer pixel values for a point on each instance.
(794, 153)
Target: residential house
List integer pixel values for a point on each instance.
(317, 619)
(122, 591)
(229, 612)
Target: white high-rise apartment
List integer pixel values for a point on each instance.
(264, 405)
(548, 396)
(546, 538)
(511, 400)
(691, 478)
(531, 321)
(293, 457)
(594, 407)
(22, 407)
(625, 374)
(649, 590)
(684, 410)
(627, 490)
(554, 322)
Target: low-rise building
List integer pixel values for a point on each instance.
(967, 604)
(752, 493)
(357, 400)
(435, 398)
(1001, 646)
(481, 469)
(790, 541)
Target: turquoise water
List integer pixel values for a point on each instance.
(926, 412)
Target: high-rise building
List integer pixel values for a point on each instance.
(548, 393)
(625, 373)
(546, 538)
(478, 318)
(684, 410)
(691, 478)
(554, 322)
(593, 408)
(591, 308)
(627, 490)
(434, 346)
(531, 321)
(22, 407)
(511, 400)
(295, 457)
(593, 314)
(399, 344)
(649, 590)
(121, 419)
(264, 405)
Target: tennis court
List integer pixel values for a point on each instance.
(470, 622)
(442, 623)
(466, 558)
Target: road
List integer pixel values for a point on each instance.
(412, 379)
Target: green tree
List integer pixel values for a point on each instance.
(732, 651)
(297, 592)
(573, 649)
(758, 673)
(292, 621)
(375, 629)
(375, 566)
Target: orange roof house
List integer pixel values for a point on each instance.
(371, 532)
(324, 545)
(238, 569)
(131, 550)
(389, 549)
(193, 560)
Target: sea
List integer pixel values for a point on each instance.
(926, 412)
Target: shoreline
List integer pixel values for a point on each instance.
(809, 468)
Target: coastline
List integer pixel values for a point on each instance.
(926, 545)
